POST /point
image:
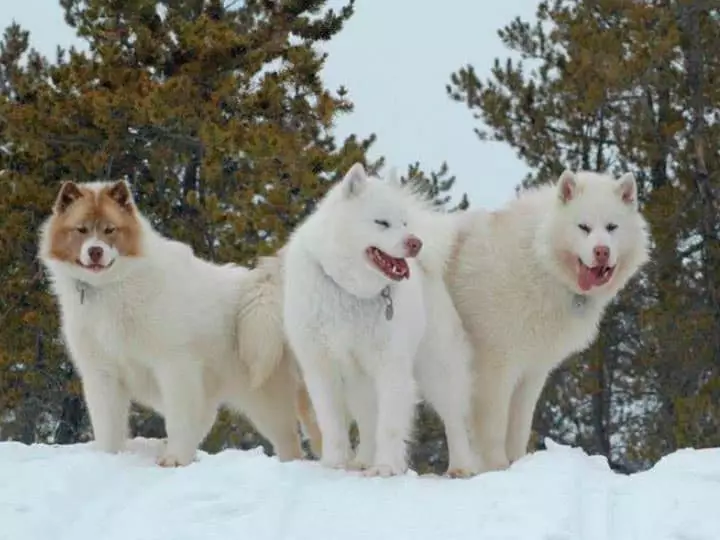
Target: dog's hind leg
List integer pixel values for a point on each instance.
(443, 373)
(306, 414)
(272, 410)
(185, 408)
(447, 388)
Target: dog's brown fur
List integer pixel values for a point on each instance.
(80, 212)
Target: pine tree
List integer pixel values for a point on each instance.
(627, 86)
(436, 186)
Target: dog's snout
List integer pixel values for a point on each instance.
(602, 254)
(413, 245)
(95, 253)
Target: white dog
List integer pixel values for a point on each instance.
(146, 320)
(356, 310)
(531, 283)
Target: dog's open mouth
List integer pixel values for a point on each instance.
(593, 276)
(94, 267)
(393, 268)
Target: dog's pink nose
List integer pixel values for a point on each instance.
(413, 245)
(602, 255)
(95, 253)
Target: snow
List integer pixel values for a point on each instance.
(77, 493)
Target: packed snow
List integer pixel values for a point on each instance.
(77, 493)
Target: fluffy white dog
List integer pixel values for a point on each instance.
(531, 283)
(356, 310)
(144, 319)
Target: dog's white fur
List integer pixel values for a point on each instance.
(161, 329)
(356, 363)
(522, 306)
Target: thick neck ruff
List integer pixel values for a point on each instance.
(385, 294)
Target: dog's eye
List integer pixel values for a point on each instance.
(383, 223)
(584, 228)
(109, 229)
(610, 227)
(82, 229)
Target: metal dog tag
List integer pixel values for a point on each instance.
(389, 311)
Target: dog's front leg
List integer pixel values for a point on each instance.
(363, 407)
(522, 409)
(108, 403)
(331, 414)
(397, 398)
(495, 382)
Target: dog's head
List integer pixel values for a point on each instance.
(595, 235)
(366, 222)
(93, 227)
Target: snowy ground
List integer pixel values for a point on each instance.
(75, 493)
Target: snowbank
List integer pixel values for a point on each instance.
(75, 493)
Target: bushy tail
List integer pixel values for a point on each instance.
(260, 333)
(261, 339)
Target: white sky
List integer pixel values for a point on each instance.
(395, 57)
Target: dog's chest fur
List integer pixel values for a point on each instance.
(355, 327)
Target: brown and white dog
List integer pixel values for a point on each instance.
(145, 320)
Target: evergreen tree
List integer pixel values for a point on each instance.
(436, 186)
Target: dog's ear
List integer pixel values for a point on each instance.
(627, 189)
(567, 186)
(68, 194)
(120, 193)
(354, 181)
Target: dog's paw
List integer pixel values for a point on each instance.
(336, 464)
(358, 465)
(110, 445)
(458, 472)
(384, 471)
(171, 461)
(496, 464)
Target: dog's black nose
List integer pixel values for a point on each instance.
(95, 253)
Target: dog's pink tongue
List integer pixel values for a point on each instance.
(586, 278)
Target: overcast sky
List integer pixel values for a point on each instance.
(395, 57)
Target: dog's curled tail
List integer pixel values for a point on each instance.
(261, 339)
(260, 333)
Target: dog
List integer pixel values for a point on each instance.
(145, 320)
(356, 310)
(531, 283)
